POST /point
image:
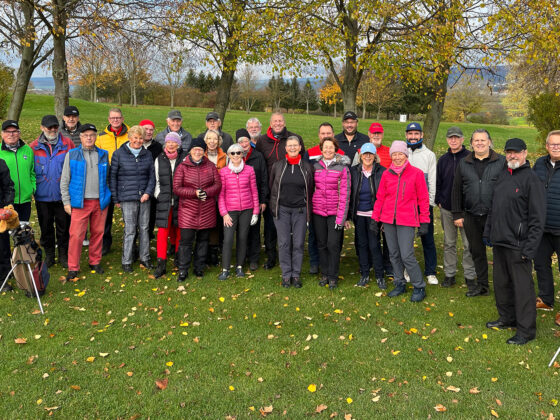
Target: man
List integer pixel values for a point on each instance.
(71, 124)
(213, 122)
(424, 159)
(471, 199)
(155, 148)
(256, 160)
(86, 196)
(6, 198)
(546, 169)
(174, 124)
(20, 161)
(350, 140)
(272, 145)
(514, 228)
(446, 167)
(111, 139)
(50, 149)
(254, 127)
(375, 134)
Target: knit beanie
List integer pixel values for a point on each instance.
(172, 136)
(147, 122)
(398, 146)
(198, 142)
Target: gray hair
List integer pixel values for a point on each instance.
(253, 120)
(235, 147)
(220, 139)
(552, 133)
(480, 131)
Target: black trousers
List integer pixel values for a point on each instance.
(474, 228)
(241, 223)
(5, 254)
(152, 223)
(107, 236)
(53, 221)
(270, 236)
(186, 248)
(329, 243)
(23, 211)
(254, 242)
(515, 291)
(550, 244)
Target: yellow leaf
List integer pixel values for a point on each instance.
(312, 388)
(104, 354)
(39, 401)
(221, 299)
(440, 408)
(450, 313)
(169, 364)
(494, 413)
(90, 359)
(395, 352)
(494, 379)
(349, 400)
(231, 388)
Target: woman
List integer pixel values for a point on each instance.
(216, 155)
(291, 183)
(330, 208)
(132, 182)
(402, 205)
(366, 177)
(239, 207)
(166, 206)
(197, 184)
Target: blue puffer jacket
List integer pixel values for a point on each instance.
(131, 177)
(77, 185)
(550, 176)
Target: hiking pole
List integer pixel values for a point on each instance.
(555, 356)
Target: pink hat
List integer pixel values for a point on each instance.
(398, 146)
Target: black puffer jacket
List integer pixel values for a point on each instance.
(550, 176)
(276, 179)
(7, 192)
(257, 162)
(166, 198)
(518, 211)
(357, 177)
(131, 177)
(473, 194)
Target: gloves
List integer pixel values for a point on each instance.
(374, 227)
(423, 229)
(338, 227)
(254, 219)
(487, 242)
(202, 195)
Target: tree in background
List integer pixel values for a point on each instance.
(248, 91)
(331, 95)
(6, 83)
(466, 97)
(172, 60)
(87, 65)
(278, 92)
(309, 96)
(378, 91)
(544, 113)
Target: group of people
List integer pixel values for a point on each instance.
(203, 192)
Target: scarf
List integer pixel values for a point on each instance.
(276, 139)
(135, 152)
(398, 169)
(248, 154)
(414, 146)
(236, 169)
(293, 161)
(12, 147)
(116, 132)
(171, 156)
(328, 162)
(197, 162)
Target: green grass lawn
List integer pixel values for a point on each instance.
(239, 347)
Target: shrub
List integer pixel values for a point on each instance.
(6, 83)
(544, 113)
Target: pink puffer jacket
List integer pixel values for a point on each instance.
(402, 196)
(239, 191)
(332, 188)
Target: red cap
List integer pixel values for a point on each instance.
(147, 122)
(375, 128)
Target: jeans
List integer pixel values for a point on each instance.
(401, 249)
(291, 225)
(368, 248)
(312, 246)
(241, 222)
(450, 247)
(270, 235)
(254, 242)
(136, 215)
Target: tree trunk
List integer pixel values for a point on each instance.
(224, 89)
(334, 110)
(433, 116)
(172, 95)
(59, 65)
(307, 106)
(21, 84)
(95, 92)
(364, 104)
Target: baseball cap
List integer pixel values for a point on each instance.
(515, 144)
(71, 111)
(376, 128)
(454, 131)
(368, 148)
(349, 115)
(49, 121)
(87, 127)
(9, 123)
(212, 116)
(174, 114)
(414, 126)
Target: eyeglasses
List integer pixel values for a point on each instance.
(115, 118)
(235, 153)
(11, 133)
(54, 127)
(553, 145)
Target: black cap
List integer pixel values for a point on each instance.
(174, 114)
(87, 127)
(212, 116)
(50, 121)
(515, 144)
(9, 123)
(198, 142)
(242, 132)
(349, 115)
(70, 111)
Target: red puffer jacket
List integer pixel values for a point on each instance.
(239, 191)
(400, 196)
(332, 188)
(195, 213)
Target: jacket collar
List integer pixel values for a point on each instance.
(20, 143)
(493, 156)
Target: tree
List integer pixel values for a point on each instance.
(247, 87)
(87, 65)
(463, 99)
(330, 94)
(544, 113)
(277, 92)
(6, 82)
(172, 62)
(377, 91)
(309, 96)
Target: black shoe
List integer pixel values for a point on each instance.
(161, 268)
(171, 251)
(198, 273)
(499, 325)
(517, 339)
(6, 288)
(183, 275)
(239, 272)
(313, 269)
(147, 264)
(398, 290)
(269, 265)
(324, 281)
(363, 282)
(474, 291)
(63, 259)
(418, 294)
(49, 260)
(381, 283)
(333, 283)
(71, 275)
(296, 282)
(286, 282)
(448, 281)
(105, 250)
(127, 268)
(254, 266)
(97, 268)
(212, 258)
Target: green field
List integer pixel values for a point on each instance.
(248, 348)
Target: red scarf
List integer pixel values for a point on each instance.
(270, 135)
(117, 132)
(248, 154)
(293, 161)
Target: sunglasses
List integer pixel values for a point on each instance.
(235, 153)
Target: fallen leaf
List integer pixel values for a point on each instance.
(130, 373)
(90, 359)
(20, 340)
(320, 408)
(104, 354)
(498, 402)
(169, 364)
(348, 416)
(494, 413)
(440, 408)
(231, 388)
(266, 410)
(453, 388)
(162, 383)
(349, 400)
(76, 387)
(376, 398)
(312, 388)
(474, 390)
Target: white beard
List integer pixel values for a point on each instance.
(513, 164)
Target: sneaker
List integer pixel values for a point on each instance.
(333, 283)
(432, 279)
(296, 282)
(183, 275)
(448, 281)
(324, 281)
(239, 272)
(286, 282)
(85, 242)
(363, 282)
(543, 306)
(518, 340)
(418, 294)
(406, 276)
(223, 275)
(381, 283)
(398, 290)
(71, 275)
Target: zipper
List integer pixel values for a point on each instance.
(519, 233)
(306, 201)
(19, 180)
(279, 182)
(397, 198)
